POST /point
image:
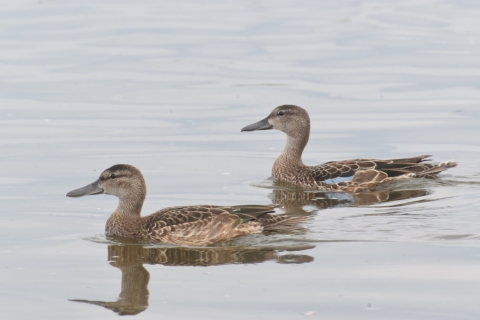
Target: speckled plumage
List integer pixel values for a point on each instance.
(366, 174)
(188, 225)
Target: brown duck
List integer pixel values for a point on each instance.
(357, 174)
(190, 225)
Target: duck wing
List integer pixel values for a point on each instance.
(206, 224)
(187, 214)
(391, 167)
(260, 215)
(192, 225)
(184, 214)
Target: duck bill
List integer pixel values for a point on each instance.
(92, 188)
(260, 125)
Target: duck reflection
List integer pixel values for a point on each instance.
(133, 298)
(293, 201)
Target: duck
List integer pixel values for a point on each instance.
(351, 176)
(200, 225)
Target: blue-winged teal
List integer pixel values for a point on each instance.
(190, 225)
(355, 175)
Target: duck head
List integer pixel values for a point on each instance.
(288, 118)
(121, 180)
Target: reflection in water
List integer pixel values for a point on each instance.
(293, 200)
(133, 298)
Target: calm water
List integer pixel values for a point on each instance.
(167, 87)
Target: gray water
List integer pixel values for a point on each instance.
(167, 87)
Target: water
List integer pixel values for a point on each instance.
(167, 87)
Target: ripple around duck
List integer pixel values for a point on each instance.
(439, 210)
(100, 238)
(395, 194)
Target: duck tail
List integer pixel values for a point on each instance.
(437, 169)
(282, 223)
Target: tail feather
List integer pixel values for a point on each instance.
(437, 169)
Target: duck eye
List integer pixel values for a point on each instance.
(281, 113)
(112, 176)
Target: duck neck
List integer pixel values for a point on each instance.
(131, 202)
(295, 145)
(130, 206)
